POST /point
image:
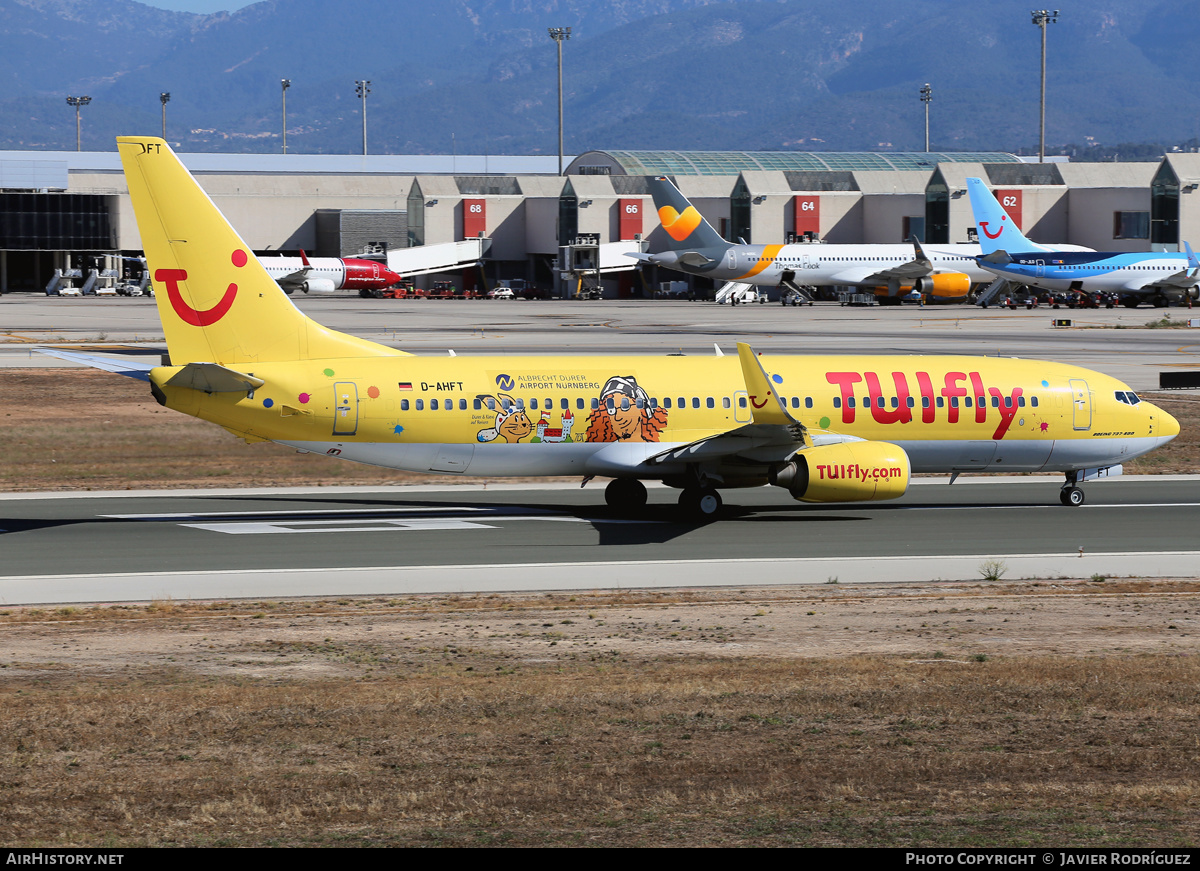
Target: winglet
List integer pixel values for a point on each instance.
(920, 257)
(766, 406)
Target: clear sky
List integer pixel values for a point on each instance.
(199, 5)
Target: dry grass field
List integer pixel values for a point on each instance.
(1055, 713)
(1051, 714)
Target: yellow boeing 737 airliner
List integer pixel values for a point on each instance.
(826, 429)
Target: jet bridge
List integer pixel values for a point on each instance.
(426, 259)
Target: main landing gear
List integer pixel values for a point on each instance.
(1070, 495)
(625, 494)
(700, 503)
(628, 495)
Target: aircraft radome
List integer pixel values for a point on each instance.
(823, 428)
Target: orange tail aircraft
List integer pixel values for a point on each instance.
(825, 429)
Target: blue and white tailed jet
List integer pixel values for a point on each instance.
(1135, 277)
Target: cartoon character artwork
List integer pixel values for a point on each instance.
(547, 433)
(512, 423)
(625, 414)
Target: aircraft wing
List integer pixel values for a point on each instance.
(918, 267)
(773, 434)
(294, 279)
(1184, 279)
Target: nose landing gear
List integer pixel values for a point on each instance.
(1070, 495)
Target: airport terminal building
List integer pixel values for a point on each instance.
(71, 211)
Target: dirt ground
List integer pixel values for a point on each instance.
(1062, 713)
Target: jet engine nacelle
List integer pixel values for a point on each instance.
(846, 472)
(318, 285)
(951, 285)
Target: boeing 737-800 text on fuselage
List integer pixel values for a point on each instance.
(826, 429)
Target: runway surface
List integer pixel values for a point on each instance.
(63, 548)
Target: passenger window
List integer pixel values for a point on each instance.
(941, 402)
(710, 402)
(683, 402)
(666, 402)
(533, 404)
(966, 402)
(404, 405)
(725, 402)
(837, 402)
(433, 405)
(995, 402)
(741, 402)
(953, 401)
(639, 402)
(1021, 401)
(595, 403)
(895, 402)
(1008, 402)
(912, 403)
(849, 402)
(579, 403)
(462, 405)
(624, 403)
(566, 404)
(1033, 401)
(420, 405)
(695, 402)
(477, 403)
(491, 403)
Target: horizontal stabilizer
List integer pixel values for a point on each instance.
(211, 378)
(128, 368)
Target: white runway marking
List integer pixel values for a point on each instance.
(618, 574)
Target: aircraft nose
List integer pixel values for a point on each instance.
(1166, 427)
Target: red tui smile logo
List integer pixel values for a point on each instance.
(195, 317)
(983, 225)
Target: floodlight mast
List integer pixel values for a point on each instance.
(1041, 18)
(560, 35)
(77, 102)
(362, 88)
(284, 85)
(164, 98)
(926, 98)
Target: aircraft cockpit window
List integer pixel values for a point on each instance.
(1134, 399)
(1128, 397)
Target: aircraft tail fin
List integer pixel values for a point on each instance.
(216, 301)
(997, 231)
(685, 227)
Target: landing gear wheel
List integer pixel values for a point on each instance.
(702, 503)
(1071, 496)
(625, 494)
